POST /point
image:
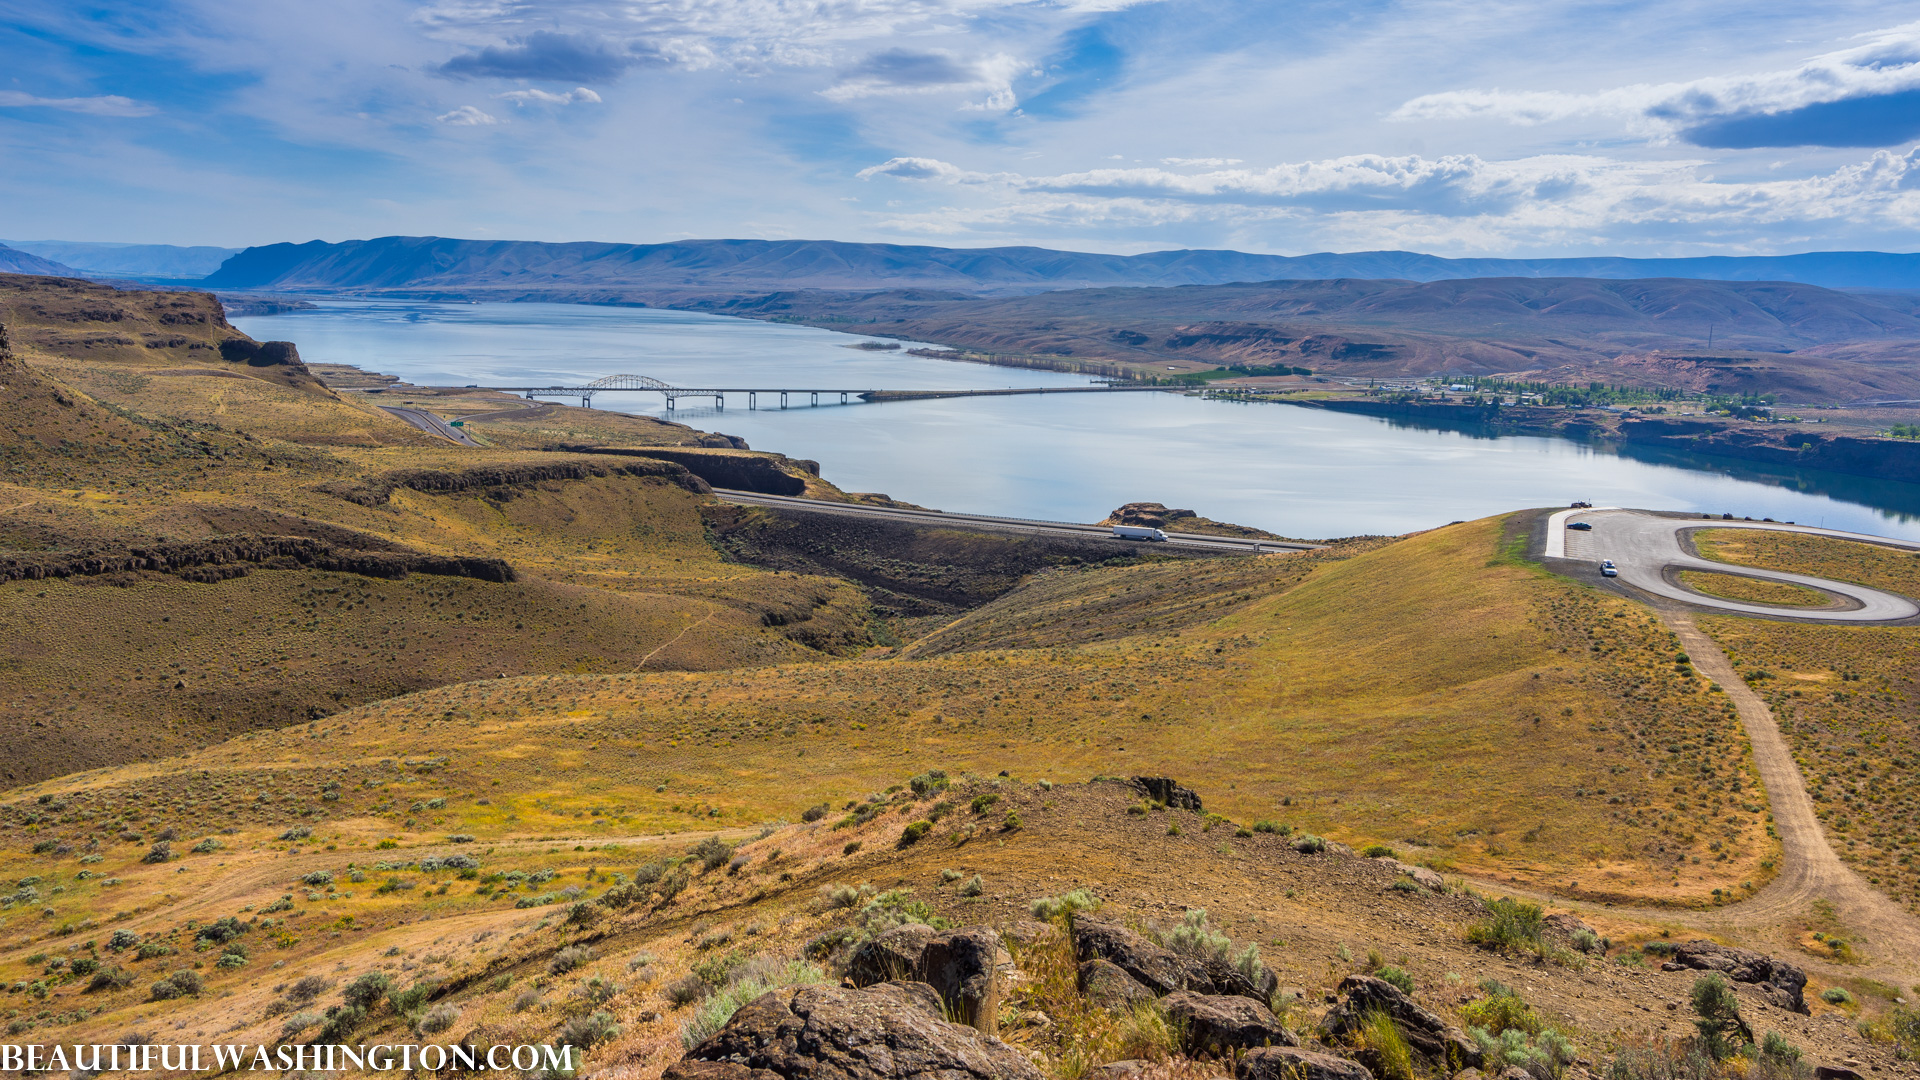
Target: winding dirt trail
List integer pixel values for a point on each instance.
(1809, 869)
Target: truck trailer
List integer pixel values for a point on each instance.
(1136, 532)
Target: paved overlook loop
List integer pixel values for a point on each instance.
(1650, 551)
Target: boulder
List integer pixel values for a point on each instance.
(963, 968)
(1514, 1072)
(1364, 994)
(893, 954)
(1289, 1063)
(1160, 970)
(1166, 792)
(888, 1031)
(1565, 924)
(1110, 987)
(1779, 982)
(1228, 979)
(1422, 876)
(1221, 1024)
(1462, 1050)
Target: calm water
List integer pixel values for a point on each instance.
(1296, 471)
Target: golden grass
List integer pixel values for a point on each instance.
(1751, 590)
(1818, 556)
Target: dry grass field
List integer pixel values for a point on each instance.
(1751, 590)
(1846, 698)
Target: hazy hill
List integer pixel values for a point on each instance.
(1763, 334)
(15, 261)
(426, 262)
(127, 260)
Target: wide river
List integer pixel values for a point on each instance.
(1071, 457)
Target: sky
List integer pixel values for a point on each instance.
(1285, 126)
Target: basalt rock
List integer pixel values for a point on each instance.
(963, 968)
(890, 955)
(1107, 985)
(891, 1031)
(1289, 1063)
(1160, 970)
(1220, 1024)
(1166, 792)
(1364, 994)
(210, 561)
(1779, 982)
(500, 482)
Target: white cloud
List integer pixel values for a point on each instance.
(542, 97)
(1194, 162)
(105, 105)
(1887, 63)
(466, 116)
(897, 72)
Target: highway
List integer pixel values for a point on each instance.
(430, 424)
(1238, 544)
(1651, 550)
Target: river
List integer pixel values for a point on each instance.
(1074, 457)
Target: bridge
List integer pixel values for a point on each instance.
(648, 384)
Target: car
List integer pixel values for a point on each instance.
(1583, 526)
(1606, 563)
(1609, 571)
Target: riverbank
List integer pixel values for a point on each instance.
(1779, 444)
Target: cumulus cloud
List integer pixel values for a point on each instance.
(1196, 162)
(104, 105)
(551, 56)
(467, 116)
(541, 97)
(903, 71)
(919, 168)
(1868, 95)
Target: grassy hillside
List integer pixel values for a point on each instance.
(1847, 698)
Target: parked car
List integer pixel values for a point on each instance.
(1583, 526)
(1609, 571)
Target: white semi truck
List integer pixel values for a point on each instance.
(1136, 532)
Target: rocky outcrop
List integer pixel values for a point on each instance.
(1288, 1063)
(1160, 970)
(261, 353)
(1779, 982)
(760, 473)
(1167, 792)
(1221, 1024)
(890, 1031)
(890, 955)
(238, 556)
(962, 967)
(1363, 995)
(1421, 876)
(1148, 515)
(1107, 985)
(499, 482)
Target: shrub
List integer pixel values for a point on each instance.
(649, 873)
(584, 1031)
(160, 852)
(584, 913)
(1776, 1050)
(712, 852)
(1587, 941)
(1309, 844)
(339, 1022)
(364, 991)
(150, 949)
(973, 886)
(844, 896)
(1012, 822)
(569, 958)
(1274, 827)
(815, 813)
(231, 960)
(1548, 1053)
(122, 940)
(1396, 977)
(298, 832)
(318, 877)
(852, 846)
(1717, 1017)
(747, 984)
(307, 988)
(111, 977)
(183, 983)
(1195, 938)
(1509, 924)
(1834, 995)
(686, 990)
(1392, 1057)
(950, 875)
(526, 999)
(718, 969)
(1054, 908)
(913, 833)
(437, 1019)
(597, 991)
(206, 846)
(983, 801)
(928, 783)
(297, 1023)
(1501, 1011)
(1379, 851)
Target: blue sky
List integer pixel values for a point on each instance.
(1459, 128)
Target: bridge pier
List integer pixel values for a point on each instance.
(753, 400)
(843, 397)
(815, 395)
(720, 403)
(783, 399)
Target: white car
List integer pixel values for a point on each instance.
(1609, 570)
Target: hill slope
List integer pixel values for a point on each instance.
(15, 261)
(491, 266)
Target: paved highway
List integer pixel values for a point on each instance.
(430, 424)
(1650, 551)
(1006, 524)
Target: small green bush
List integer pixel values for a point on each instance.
(983, 801)
(1396, 977)
(1834, 995)
(1309, 844)
(367, 989)
(1509, 924)
(973, 886)
(1379, 851)
(1273, 827)
(913, 833)
(1717, 1017)
(1052, 908)
(567, 959)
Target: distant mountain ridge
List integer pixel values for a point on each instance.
(437, 263)
(127, 260)
(15, 261)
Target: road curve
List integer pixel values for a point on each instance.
(1241, 544)
(430, 424)
(1650, 550)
